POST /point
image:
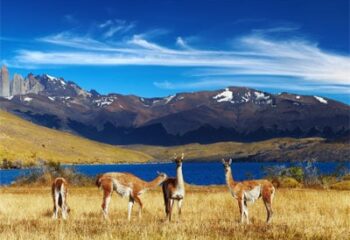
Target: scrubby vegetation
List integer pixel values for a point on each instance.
(46, 172)
(308, 176)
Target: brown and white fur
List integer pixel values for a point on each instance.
(59, 196)
(249, 191)
(174, 189)
(126, 185)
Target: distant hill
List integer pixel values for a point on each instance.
(28, 142)
(25, 141)
(230, 114)
(277, 149)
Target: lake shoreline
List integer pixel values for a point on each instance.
(166, 162)
(195, 172)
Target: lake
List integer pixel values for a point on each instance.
(198, 173)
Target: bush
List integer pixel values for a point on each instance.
(277, 172)
(346, 177)
(7, 164)
(286, 182)
(311, 176)
(48, 171)
(328, 180)
(295, 172)
(343, 185)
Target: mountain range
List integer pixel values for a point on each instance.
(230, 114)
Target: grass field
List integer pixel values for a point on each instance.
(27, 142)
(208, 213)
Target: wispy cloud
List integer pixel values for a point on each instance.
(113, 26)
(106, 23)
(253, 54)
(182, 43)
(282, 29)
(217, 82)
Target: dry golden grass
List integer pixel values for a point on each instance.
(208, 213)
(25, 141)
(276, 149)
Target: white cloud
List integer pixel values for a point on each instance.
(182, 43)
(106, 23)
(251, 55)
(289, 85)
(113, 26)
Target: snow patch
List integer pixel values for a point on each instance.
(9, 97)
(52, 78)
(168, 99)
(297, 97)
(27, 99)
(104, 101)
(225, 96)
(261, 96)
(51, 98)
(321, 100)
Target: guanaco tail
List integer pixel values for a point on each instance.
(59, 196)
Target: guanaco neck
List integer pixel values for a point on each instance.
(154, 183)
(229, 179)
(179, 176)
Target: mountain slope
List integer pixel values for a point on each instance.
(231, 114)
(25, 141)
(277, 149)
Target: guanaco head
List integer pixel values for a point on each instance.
(179, 160)
(162, 176)
(227, 164)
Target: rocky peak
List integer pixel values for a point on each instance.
(4, 82)
(17, 85)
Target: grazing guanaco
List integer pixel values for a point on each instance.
(59, 196)
(126, 185)
(249, 191)
(174, 188)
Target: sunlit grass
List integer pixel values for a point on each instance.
(208, 213)
(27, 142)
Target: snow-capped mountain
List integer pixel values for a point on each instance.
(234, 113)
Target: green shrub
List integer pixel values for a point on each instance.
(296, 172)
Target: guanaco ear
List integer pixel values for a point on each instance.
(182, 156)
(223, 161)
(230, 161)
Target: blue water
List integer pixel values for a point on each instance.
(199, 173)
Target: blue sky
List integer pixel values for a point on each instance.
(157, 48)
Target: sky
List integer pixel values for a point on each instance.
(158, 48)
